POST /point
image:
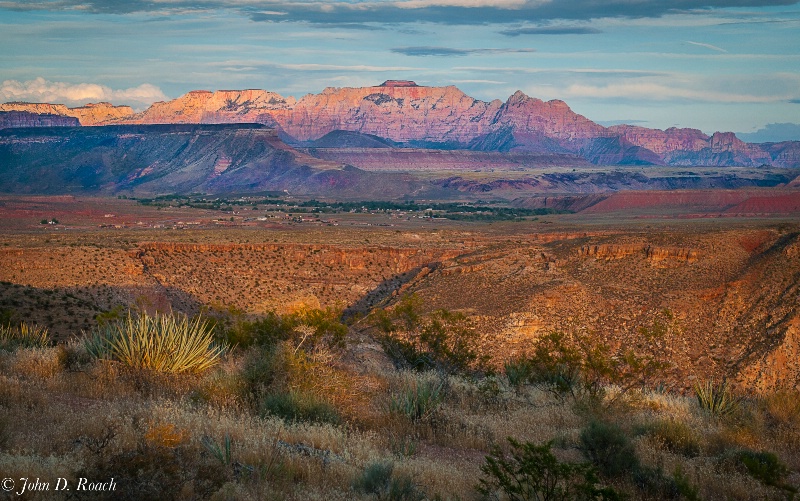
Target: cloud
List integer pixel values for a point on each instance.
(550, 30)
(449, 51)
(707, 46)
(654, 91)
(402, 11)
(41, 90)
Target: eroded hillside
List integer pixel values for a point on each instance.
(718, 299)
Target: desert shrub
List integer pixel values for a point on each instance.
(161, 343)
(310, 326)
(23, 336)
(608, 447)
(299, 406)
(378, 479)
(676, 436)
(518, 371)
(783, 407)
(532, 472)
(716, 399)
(442, 340)
(766, 468)
(582, 368)
(417, 400)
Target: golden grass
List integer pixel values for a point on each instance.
(101, 416)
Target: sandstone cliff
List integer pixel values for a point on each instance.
(10, 119)
(90, 114)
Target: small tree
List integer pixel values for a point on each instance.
(532, 472)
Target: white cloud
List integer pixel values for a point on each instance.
(652, 91)
(41, 90)
(707, 46)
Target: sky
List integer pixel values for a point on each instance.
(714, 65)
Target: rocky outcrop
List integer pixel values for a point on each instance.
(785, 154)
(11, 119)
(693, 147)
(222, 106)
(100, 113)
(90, 114)
(653, 253)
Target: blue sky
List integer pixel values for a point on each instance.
(708, 64)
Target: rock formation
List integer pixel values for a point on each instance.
(411, 115)
(11, 119)
(90, 114)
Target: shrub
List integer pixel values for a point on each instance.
(442, 340)
(676, 436)
(23, 336)
(518, 371)
(533, 473)
(418, 400)
(377, 479)
(297, 406)
(783, 407)
(162, 343)
(321, 325)
(766, 468)
(582, 368)
(716, 399)
(609, 448)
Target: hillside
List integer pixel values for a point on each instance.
(172, 159)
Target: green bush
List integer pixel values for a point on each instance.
(532, 472)
(418, 400)
(378, 479)
(161, 343)
(582, 368)
(766, 468)
(676, 436)
(297, 406)
(311, 326)
(518, 371)
(442, 340)
(608, 447)
(716, 399)
(23, 336)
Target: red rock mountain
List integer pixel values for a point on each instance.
(440, 117)
(90, 114)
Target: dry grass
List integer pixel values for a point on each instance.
(66, 416)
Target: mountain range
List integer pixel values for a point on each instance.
(401, 114)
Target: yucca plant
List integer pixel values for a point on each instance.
(23, 336)
(716, 399)
(162, 343)
(418, 400)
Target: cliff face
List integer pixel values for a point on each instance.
(91, 114)
(442, 118)
(399, 113)
(222, 106)
(10, 119)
